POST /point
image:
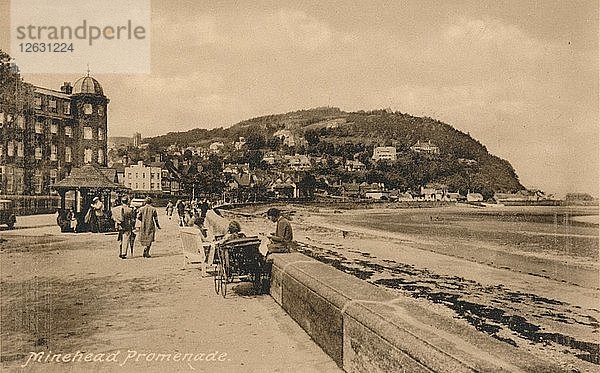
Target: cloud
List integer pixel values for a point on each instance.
(178, 29)
(306, 31)
(493, 36)
(280, 30)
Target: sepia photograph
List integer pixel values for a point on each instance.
(299, 186)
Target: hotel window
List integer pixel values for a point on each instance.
(39, 180)
(100, 134)
(54, 128)
(68, 154)
(87, 155)
(52, 106)
(37, 101)
(10, 180)
(38, 152)
(101, 111)
(100, 156)
(87, 133)
(20, 152)
(87, 109)
(21, 121)
(39, 127)
(53, 151)
(67, 108)
(68, 131)
(10, 149)
(53, 176)
(20, 180)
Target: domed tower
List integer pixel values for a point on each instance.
(89, 105)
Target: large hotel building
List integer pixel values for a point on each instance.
(64, 129)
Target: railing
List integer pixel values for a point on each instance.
(31, 205)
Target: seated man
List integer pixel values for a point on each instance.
(282, 239)
(281, 242)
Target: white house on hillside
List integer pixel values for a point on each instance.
(425, 147)
(387, 153)
(143, 178)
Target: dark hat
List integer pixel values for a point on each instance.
(234, 227)
(273, 212)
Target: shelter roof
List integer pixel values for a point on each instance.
(87, 176)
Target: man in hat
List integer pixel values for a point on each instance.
(149, 218)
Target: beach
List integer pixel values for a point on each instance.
(522, 275)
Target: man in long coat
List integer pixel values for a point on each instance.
(149, 218)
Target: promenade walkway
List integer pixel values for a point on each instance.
(71, 294)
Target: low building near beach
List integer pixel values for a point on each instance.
(453, 197)
(350, 190)
(520, 196)
(374, 191)
(397, 195)
(474, 197)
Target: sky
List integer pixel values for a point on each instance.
(521, 77)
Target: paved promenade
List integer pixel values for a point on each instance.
(71, 294)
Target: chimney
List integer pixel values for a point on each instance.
(67, 88)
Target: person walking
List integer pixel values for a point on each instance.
(204, 208)
(148, 217)
(170, 209)
(124, 217)
(181, 212)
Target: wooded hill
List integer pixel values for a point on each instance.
(463, 163)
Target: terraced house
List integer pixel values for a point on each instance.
(43, 140)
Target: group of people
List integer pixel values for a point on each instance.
(95, 219)
(281, 241)
(125, 218)
(189, 213)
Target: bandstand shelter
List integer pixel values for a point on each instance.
(88, 182)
